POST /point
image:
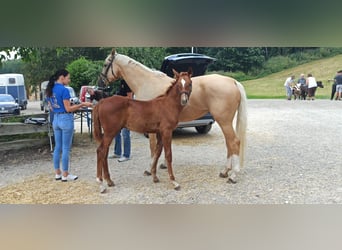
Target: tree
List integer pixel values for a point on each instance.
(83, 72)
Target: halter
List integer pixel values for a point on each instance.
(187, 93)
(110, 65)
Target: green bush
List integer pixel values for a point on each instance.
(83, 72)
(278, 63)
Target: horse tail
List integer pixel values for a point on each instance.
(97, 124)
(241, 122)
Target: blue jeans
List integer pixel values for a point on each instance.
(288, 92)
(63, 128)
(126, 136)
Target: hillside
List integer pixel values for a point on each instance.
(272, 85)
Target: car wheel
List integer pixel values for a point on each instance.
(203, 129)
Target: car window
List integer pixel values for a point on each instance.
(6, 98)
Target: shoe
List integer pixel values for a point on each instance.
(70, 177)
(114, 156)
(58, 177)
(123, 158)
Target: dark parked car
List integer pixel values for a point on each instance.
(199, 64)
(8, 106)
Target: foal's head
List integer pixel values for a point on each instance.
(184, 84)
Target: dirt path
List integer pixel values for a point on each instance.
(292, 157)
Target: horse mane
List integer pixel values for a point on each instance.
(129, 60)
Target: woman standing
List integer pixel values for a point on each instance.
(312, 86)
(63, 122)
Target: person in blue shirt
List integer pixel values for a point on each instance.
(63, 121)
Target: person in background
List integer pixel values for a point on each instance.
(96, 95)
(63, 122)
(302, 85)
(288, 86)
(302, 80)
(338, 86)
(312, 86)
(124, 133)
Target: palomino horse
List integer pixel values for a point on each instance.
(220, 95)
(159, 116)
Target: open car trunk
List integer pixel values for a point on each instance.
(199, 64)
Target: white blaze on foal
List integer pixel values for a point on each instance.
(183, 82)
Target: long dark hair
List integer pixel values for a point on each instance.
(53, 79)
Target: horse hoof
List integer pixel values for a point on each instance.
(146, 173)
(155, 180)
(223, 175)
(110, 183)
(102, 189)
(231, 181)
(176, 186)
(162, 166)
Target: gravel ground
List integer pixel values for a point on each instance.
(293, 156)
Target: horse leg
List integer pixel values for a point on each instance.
(233, 148)
(102, 161)
(153, 145)
(166, 138)
(157, 153)
(155, 158)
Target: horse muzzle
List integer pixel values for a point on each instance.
(184, 98)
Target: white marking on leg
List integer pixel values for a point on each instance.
(235, 168)
(176, 185)
(102, 186)
(236, 163)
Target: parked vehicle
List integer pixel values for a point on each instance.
(43, 103)
(84, 95)
(8, 106)
(73, 98)
(199, 64)
(14, 85)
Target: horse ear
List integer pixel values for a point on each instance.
(113, 51)
(175, 73)
(190, 71)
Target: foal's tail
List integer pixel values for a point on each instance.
(241, 122)
(97, 124)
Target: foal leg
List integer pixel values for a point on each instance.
(102, 162)
(233, 148)
(155, 158)
(153, 144)
(167, 138)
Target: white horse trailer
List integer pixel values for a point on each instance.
(14, 85)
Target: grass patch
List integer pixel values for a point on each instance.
(272, 86)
